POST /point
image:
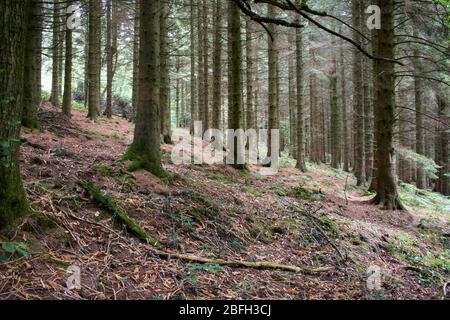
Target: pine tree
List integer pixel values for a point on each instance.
(145, 149)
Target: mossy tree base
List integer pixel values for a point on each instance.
(388, 203)
(14, 202)
(144, 159)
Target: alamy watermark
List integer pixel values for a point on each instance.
(74, 278)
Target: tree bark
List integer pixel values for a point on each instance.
(54, 98)
(33, 51)
(135, 60)
(273, 85)
(420, 134)
(111, 51)
(166, 122)
(193, 80)
(12, 47)
(358, 103)
(301, 156)
(235, 111)
(250, 58)
(67, 97)
(217, 67)
(442, 146)
(335, 119)
(94, 58)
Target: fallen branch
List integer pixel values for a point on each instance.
(242, 264)
(108, 203)
(316, 222)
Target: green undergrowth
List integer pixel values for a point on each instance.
(432, 202)
(120, 175)
(223, 178)
(433, 266)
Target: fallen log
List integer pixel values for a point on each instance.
(262, 265)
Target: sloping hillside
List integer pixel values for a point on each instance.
(314, 220)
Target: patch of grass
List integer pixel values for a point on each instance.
(431, 201)
(121, 176)
(12, 249)
(186, 222)
(105, 171)
(434, 266)
(329, 224)
(222, 178)
(280, 191)
(252, 191)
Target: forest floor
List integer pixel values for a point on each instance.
(319, 218)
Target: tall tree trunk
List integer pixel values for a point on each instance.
(177, 94)
(135, 60)
(358, 103)
(192, 83)
(250, 58)
(165, 86)
(420, 134)
(200, 64)
(183, 105)
(442, 146)
(12, 47)
(387, 194)
(345, 142)
(368, 119)
(335, 118)
(67, 97)
(145, 149)
(94, 58)
(273, 85)
(206, 117)
(292, 100)
(235, 111)
(217, 67)
(56, 42)
(301, 157)
(33, 51)
(111, 51)
(86, 57)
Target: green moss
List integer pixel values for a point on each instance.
(280, 191)
(253, 191)
(14, 203)
(105, 171)
(109, 203)
(222, 178)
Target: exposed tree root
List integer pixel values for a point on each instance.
(107, 202)
(388, 204)
(242, 264)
